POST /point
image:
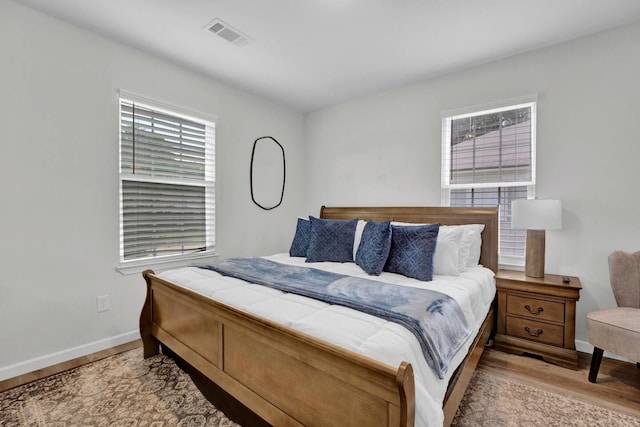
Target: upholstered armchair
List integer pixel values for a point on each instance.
(617, 329)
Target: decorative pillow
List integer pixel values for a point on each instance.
(331, 240)
(300, 242)
(374, 247)
(412, 251)
(446, 258)
(469, 247)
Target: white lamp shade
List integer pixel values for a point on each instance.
(535, 214)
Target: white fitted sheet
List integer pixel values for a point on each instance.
(371, 336)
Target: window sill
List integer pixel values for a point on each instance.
(162, 263)
(511, 262)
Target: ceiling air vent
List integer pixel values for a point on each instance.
(227, 32)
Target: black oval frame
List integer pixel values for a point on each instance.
(284, 172)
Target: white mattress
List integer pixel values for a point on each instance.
(379, 339)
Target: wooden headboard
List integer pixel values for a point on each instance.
(431, 215)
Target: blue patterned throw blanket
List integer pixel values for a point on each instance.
(433, 317)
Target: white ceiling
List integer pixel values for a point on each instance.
(309, 54)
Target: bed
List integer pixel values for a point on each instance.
(288, 377)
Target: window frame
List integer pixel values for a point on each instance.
(137, 265)
(448, 117)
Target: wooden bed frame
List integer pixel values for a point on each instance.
(288, 378)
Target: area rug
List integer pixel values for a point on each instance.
(124, 390)
(492, 400)
(128, 391)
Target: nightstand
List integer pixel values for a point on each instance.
(537, 316)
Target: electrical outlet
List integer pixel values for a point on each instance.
(103, 303)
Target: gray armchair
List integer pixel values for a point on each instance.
(617, 329)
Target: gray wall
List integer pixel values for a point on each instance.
(59, 182)
(385, 149)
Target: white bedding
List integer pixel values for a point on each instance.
(379, 339)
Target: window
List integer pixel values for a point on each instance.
(167, 184)
(489, 159)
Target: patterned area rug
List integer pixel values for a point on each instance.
(123, 390)
(126, 390)
(492, 400)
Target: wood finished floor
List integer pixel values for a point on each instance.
(617, 387)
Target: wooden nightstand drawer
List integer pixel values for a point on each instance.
(535, 331)
(535, 308)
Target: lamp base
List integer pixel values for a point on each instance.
(534, 261)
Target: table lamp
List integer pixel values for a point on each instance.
(536, 216)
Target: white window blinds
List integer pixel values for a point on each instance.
(167, 182)
(511, 242)
(488, 160)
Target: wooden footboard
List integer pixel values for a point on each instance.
(286, 377)
(462, 378)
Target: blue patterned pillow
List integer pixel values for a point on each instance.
(374, 247)
(331, 240)
(412, 250)
(300, 242)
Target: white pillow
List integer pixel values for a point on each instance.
(473, 238)
(470, 245)
(446, 259)
(358, 237)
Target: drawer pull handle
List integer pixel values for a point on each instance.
(537, 312)
(533, 334)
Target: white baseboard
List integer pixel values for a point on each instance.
(31, 365)
(41, 362)
(585, 347)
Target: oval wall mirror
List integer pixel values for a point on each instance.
(267, 173)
